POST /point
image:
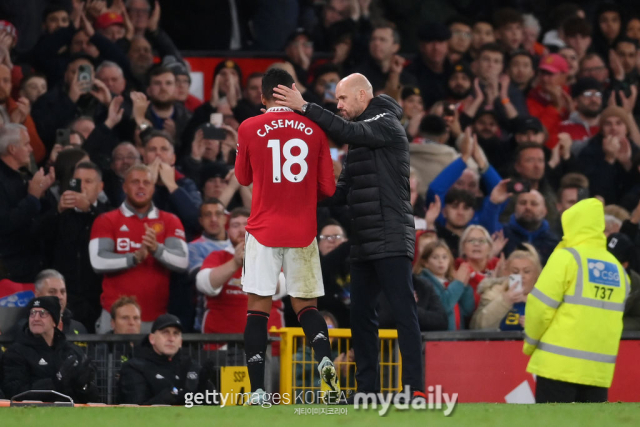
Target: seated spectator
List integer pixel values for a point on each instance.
(19, 112)
(33, 87)
(165, 112)
(52, 283)
(584, 122)
(335, 248)
(481, 34)
(125, 316)
(160, 372)
(21, 202)
(521, 70)
(508, 27)
(42, 358)
(174, 192)
(606, 160)
(527, 224)
(622, 247)
(478, 250)
(150, 244)
(502, 305)
(66, 101)
(460, 42)
(435, 266)
(548, 100)
(65, 233)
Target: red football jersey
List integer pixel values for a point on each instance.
(286, 156)
(149, 280)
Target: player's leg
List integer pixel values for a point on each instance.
(394, 275)
(313, 325)
(256, 338)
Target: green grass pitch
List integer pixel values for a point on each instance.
(476, 415)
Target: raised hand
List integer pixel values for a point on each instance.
(115, 112)
(433, 212)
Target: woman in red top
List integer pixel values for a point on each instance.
(475, 250)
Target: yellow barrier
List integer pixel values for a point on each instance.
(298, 368)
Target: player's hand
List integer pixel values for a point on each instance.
(289, 97)
(238, 256)
(149, 239)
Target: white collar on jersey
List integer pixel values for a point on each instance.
(128, 212)
(279, 110)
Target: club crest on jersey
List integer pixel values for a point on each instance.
(158, 227)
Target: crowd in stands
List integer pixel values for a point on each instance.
(117, 188)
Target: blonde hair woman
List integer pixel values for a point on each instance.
(502, 307)
(476, 247)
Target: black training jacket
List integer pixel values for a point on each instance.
(375, 178)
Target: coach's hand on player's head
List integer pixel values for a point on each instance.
(289, 97)
(238, 256)
(149, 239)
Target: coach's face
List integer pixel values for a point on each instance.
(351, 101)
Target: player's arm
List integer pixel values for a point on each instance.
(546, 296)
(339, 197)
(243, 171)
(369, 134)
(326, 179)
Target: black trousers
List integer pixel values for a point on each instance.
(393, 277)
(553, 391)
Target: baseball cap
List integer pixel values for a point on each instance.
(298, 32)
(178, 68)
(9, 28)
(408, 91)
(462, 68)
(434, 32)
(523, 124)
(165, 321)
(107, 19)
(583, 85)
(554, 63)
(228, 63)
(621, 247)
(51, 304)
(214, 170)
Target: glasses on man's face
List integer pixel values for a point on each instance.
(123, 158)
(303, 44)
(460, 33)
(475, 241)
(332, 238)
(42, 313)
(591, 93)
(594, 69)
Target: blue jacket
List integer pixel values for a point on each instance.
(543, 239)
(444, 181)
(455, 293)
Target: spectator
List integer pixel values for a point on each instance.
(573, 188)
(491, 138)
(160, 372)
(65, 234)
(569, 54)
(622, 247)
(499, 95)
(136, 247)
(20, 205)
(526, 130)
(458, 211)
(478, 250)
(459, 84)
(250, 104)
(42, 358)
(299, 51)
(63, 103)
(592, 65)
(611, 225)
(140, 56)
(577, 35)
(606, 160)
(608, 26)
(334, 248)
(583, 122)
(460, 41)
(326, 77)
(531, 32)
(19, 112)
(508, 26)
(125, 316)
(33, 87)
(481, 34)
(557, 17)
(165, 112)
(501, 304)
(548, 100)
(139, 11)
(527, 224)
(413, 110)
(183, 84)
(111, 25)
(55, 16)
(174, 192)
(633, 28)
(432, 67)
(435, 266)
(383, 67)
(623, 61)
(123, 156)
(521, 70)
(112, 76)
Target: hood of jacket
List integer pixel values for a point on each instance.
(489, 283)
(583, 224)
(381, 104)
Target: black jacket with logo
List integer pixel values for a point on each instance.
(375, 179)
(150, 378)
(30, 364)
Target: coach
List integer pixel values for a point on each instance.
(375, 184)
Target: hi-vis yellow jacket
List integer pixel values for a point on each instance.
(573, 315)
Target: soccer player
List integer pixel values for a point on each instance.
(286, 156)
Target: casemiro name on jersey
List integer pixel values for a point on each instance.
(293, 124)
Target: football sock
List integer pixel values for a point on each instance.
(255, 346)
(315, 329)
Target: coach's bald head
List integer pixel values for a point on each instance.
(353, 93)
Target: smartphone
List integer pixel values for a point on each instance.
(84, 76)
(75, 185)
(216, 119)
(330, 91)
(449, 110)
(210, 131)
(517, 186)
(583, 193)
(62, 137)
(335, 154)
(515, 282)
